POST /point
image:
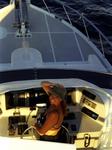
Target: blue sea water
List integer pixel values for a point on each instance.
(98, 11)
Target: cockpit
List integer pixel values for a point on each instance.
(83, 123)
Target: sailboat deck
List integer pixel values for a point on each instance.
(55, 41)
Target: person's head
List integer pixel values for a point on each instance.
(56, 94)
(54, 89)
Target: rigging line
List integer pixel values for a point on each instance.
(101, 42)
(46, 6)
(87, 34)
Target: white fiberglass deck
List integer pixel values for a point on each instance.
(51, 41)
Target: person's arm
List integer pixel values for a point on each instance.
(51, 120)
(46, 85)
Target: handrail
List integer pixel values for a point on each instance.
(90, 22)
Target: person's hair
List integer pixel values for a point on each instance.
(58, 90)
(64, 107)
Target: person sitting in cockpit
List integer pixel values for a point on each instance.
(51, 129)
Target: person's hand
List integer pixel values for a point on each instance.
(47, 86)
(47, 83)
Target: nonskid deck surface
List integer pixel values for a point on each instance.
(51, 40)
